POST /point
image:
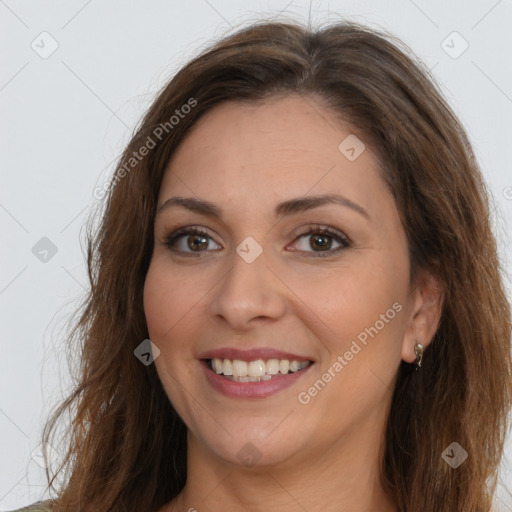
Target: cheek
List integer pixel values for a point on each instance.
(362, 315)
(351, 299)
(166, 315)
(161, 307)
(167, 299)
(153, 307)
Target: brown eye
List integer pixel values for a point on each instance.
(197, 242)
(321, 240)
(191, 240)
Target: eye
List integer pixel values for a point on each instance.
(322, 238)
(194, 238)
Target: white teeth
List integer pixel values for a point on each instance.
(273, 366)
(256, 368)
(284, 366)
(254, 371)
(217, 365)
(294, 366)
(227, 367)
(239, 368)
(249, 379)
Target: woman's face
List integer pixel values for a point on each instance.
(263, 284)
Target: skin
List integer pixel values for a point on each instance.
(246, 158)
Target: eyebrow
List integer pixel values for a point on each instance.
(289, 207)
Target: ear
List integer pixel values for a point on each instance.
(425, 314)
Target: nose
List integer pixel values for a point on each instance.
(249, 293)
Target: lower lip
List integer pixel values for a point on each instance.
(251, 389)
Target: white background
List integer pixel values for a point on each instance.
(66, 118)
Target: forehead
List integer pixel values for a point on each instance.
(279, 148)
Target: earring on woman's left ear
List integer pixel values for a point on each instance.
(418, 350)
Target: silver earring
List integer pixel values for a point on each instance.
(418, 350)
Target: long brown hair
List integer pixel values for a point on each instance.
(126, 446)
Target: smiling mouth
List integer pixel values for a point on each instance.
(258, 370)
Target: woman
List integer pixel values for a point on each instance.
(300, 228)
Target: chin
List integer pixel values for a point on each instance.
(253, 452)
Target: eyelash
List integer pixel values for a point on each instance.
(315, 229)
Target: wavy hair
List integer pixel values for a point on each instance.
(125, 445)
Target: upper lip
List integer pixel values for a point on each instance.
(251, 354)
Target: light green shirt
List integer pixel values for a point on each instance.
(39, 506)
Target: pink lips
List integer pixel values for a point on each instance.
(248, 390)
(251, 354)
